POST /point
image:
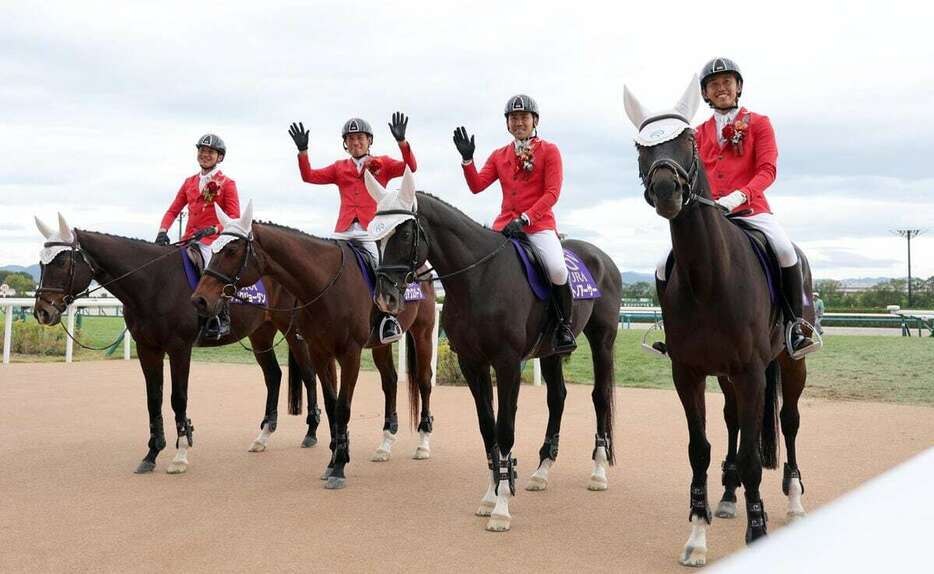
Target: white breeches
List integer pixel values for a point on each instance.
(205, 253)
(549, 249)
(768, 224)
(356, 231)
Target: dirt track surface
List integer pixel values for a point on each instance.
(72, 435)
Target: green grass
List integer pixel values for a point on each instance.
(877, 368)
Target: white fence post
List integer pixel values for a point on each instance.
(69, 344)
(403, 368)
(536, 372)
(7, 333)
(126, 345)
(434, 349)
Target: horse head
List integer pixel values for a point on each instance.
(668, 161)
(402, 241)
(234, 263)
(64, 273)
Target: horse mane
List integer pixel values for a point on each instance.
(115, 236)
(289, 229)
(455, 209)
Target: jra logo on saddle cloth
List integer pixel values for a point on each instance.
(255, 294)
(582, 284)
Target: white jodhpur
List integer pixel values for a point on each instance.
(598, 478)
(695, 550)
(384, 451)
(539, 479)
(179, 464)
(423, 450)
(262, 441)
(795, 508)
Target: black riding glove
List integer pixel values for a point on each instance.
(398, 125)
(162, 238)
(514, 228)
(299, 136)
(465, 146)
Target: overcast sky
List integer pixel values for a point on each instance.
(101, 103)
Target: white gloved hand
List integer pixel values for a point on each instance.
(732, 200)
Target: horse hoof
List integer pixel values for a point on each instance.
(597, 483)
(335, 483)
(309, 441)
(421, 453)
(145, 467)
(693, 556)
(498, 523)
(257, 446)
(536, 483)
(726, 509)
(794, 516)
(380, 456)
(326, 474)
(177, 468)
(486, 509)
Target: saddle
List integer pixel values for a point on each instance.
(197, 259)
(193, 264)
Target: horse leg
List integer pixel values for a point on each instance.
(793, 375)
(262, 339)
(557, 392)
(727, 506)
(508, 380)
(179, 364)
(481, 387)
(301, 367)
(327, 372)
(750, 400)
(350, 370)
(602, 339)
(151, 362)
(420, 359)
(690, 386)
(382, 357)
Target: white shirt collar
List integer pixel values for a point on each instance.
(359, 162)
(722, 118)
(204, 177)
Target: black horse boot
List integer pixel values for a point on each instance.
(564, 341)
(792, 285)
(218, 327)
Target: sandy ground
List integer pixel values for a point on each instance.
(72, 435)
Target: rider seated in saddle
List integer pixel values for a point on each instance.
(357, 206)
(530, 173)
(739, 154)
(199, 193)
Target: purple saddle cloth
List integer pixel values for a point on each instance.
(582, 284)
(255, 293)
(413, 291)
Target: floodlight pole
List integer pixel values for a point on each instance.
(908, 234)
(181, 220)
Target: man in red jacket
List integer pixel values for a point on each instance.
(739, 153)
(357, 206)
(199, 193)
(530, 173)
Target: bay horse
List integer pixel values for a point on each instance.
(151, 283)
(334, 319)
(492, 318)
(720, 320)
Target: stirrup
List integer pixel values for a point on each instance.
(389, 322)
(568, 347)
(657, 348)
(816, 345)
(215, 329)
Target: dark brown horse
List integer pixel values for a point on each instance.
(151, 283)
(335, 321)
(492, 318)
(720, 320)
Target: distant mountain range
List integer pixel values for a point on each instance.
(32, 270)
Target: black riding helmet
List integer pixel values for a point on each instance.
(720, 66)
(212, 141)
(521, 103)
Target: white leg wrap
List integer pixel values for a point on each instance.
(500, 518)
(695, 550)
(179, 464)
(539, 479)
(795, 508)
(489, 500)
(423, 450)
(598, 479)
(261, 441)
(382, 453)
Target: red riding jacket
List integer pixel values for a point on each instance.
(200, 209)
(727, 171)
(356, 202)
(533, 193)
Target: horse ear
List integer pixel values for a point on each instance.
(407, 193)
(377, 191)
(690, 100)
(63, 229)
(44, 229)
(634, 109)
(221, 216)
(246, 220)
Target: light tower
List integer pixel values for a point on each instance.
(908, 234)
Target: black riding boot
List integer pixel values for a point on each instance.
(564, 338)
(792, 284)
(218, 327)
(386, 329)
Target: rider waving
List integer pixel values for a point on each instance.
(357, 206)
(530, 174)
(739, 153)
(199, 193)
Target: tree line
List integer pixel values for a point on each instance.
(20, 281)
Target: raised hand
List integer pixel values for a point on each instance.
(299, 136)
(398, 125)
(464, 145)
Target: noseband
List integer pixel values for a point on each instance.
(67, 298)
(231, 284)
(686, 179)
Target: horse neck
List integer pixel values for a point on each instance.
(301, 263)
(700, 242)
(113, 257)
(455, 242)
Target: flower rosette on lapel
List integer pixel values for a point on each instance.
(525, 158)
(735, 133)
(212, 188)
(373, 165)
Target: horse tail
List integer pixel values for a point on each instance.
(295, 386)
(768, 438)
(611, 398)
(411, 368)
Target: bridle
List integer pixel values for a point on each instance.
(67, 297)
(410, 270)
(685, 178)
